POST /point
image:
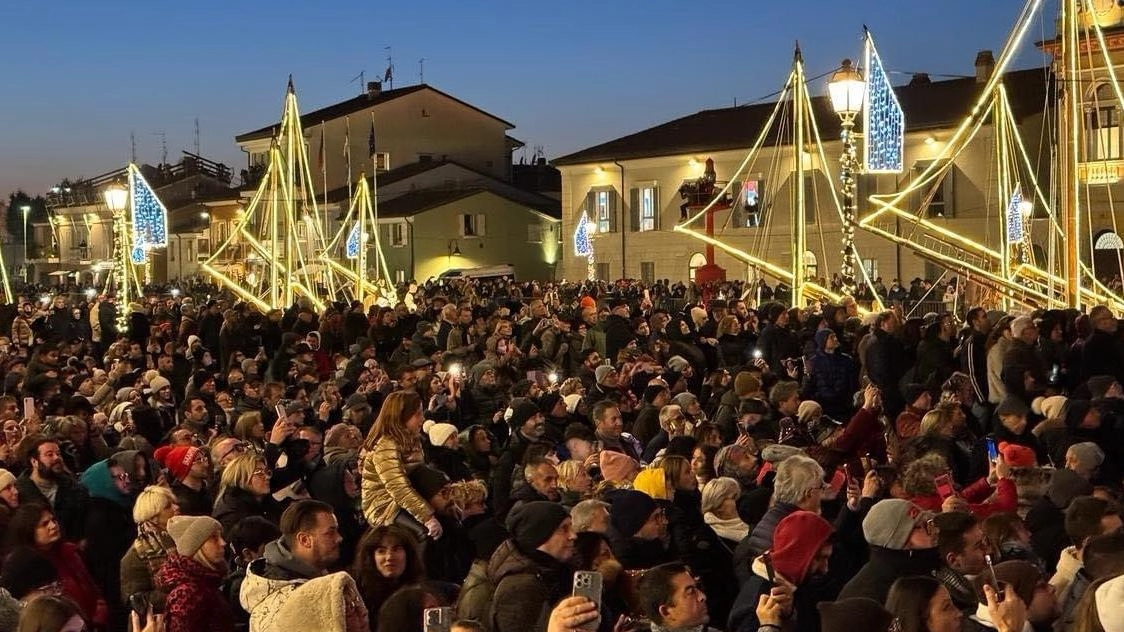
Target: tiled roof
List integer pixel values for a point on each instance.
(927, 105)
(353, 105)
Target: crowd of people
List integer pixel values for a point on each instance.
(504, 456)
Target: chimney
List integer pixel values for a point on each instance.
(985, 65)
(920, 79)
(374, 89)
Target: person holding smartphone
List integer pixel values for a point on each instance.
(802, 546)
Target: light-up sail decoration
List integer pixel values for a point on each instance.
(149, 217)
(353, 240)
(883, 119)
(583, 244)
(1015, 231)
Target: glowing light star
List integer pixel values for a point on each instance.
(352, 245)
(1015, 231)
(883, 119)
(583, 245)
(137, 255)
(149, 217)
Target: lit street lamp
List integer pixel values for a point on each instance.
(847, 90)
(117, 199)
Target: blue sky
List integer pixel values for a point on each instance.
(80, 75)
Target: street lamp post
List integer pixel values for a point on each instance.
(26, 210)
(117, 198)
(847, 90)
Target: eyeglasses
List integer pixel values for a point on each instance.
(930, 526)
(121, 477)
(238, 447)
(262, 472)
(53, 588)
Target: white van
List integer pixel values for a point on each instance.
(483, 272)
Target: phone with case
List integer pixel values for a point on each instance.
(588, 584)
(437, 619)
(944, 486)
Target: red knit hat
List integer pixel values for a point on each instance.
(178, 459)
(1018, 455)
(796, 540)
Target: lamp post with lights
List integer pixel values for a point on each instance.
(117, 200)
(847, 90)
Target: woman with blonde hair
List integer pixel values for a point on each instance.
(244, 491)
(574, 482)
(154, 507)
(392, 447)
(719, 507)
(195, 573)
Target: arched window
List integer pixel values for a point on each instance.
(697, 261)
(811, 265)
(1108, 240)
(1103, 125)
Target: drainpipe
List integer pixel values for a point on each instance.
(623, 227)
(410, 224)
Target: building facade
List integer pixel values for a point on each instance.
(630, 187)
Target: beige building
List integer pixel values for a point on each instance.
(629, 187)
(444, 177)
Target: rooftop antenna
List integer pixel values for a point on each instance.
(133, 144)
(197, 137)
(163, 146)
(361, 77)
(421, 70)
(388, 76)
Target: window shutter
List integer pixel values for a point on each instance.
(460, 224)
(614, 225)
(634, 208)
(591, 205)
(657, 210)
(480, 232)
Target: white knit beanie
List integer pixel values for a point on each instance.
(1109, 597)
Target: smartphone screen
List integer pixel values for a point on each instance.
(992, 450)
(281, 413)
(28, 407)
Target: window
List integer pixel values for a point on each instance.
(204, 249)
(190, 248)
(601, 206)
(172, 246)
(648, 271)
(302, 231)
(602, 212)
(697, 261)
(939, 193)
(601, 271)
(1103, 123)
(534, 234)
(399, 276)
(871, 267)
(751, 202)
(471, 224)
(382, 161)
(645, 208)
(397, 234)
